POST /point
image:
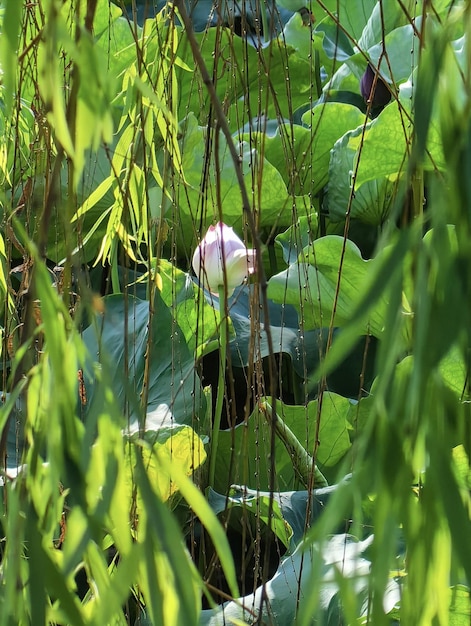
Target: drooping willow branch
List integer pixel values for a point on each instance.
(221, 120)
(224, 126)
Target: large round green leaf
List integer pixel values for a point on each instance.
(123, 338)
(330, 272)
(300, 154)
(331, 564)
(372, 201)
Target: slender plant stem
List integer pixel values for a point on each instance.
(263, 14)
(221, 383)
(417, 185)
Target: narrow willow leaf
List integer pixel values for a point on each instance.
(138, 205)
(11, 24)
(92, 200)
(152, 97)
(200, 506)
(12, 602)
(457, 509)
(94, 122)
(50, 82)
(117, 580)
(460, 606)
(123, 150)
(427, 77)
(461, 466)
(46, 576)
(172, 555)
(9, 401)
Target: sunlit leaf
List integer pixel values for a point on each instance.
(460, 607)
(454, 371)
(316, 283)
(178, 446)
(201, 508)
(11, 24)
(168, 578)
(297, 237)
(301, 154)
(197, 319)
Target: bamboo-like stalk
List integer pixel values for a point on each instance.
(303, 463)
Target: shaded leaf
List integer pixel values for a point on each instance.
(244, 452)
(298, 508)
(297, 237)
(118, 339)
(294, 579)
(257, 504)
(306, 348)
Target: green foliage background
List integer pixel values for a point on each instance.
(121, 141)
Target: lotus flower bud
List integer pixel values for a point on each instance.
(239, 261)
(381, 95)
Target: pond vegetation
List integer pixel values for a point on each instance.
(236, 312)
